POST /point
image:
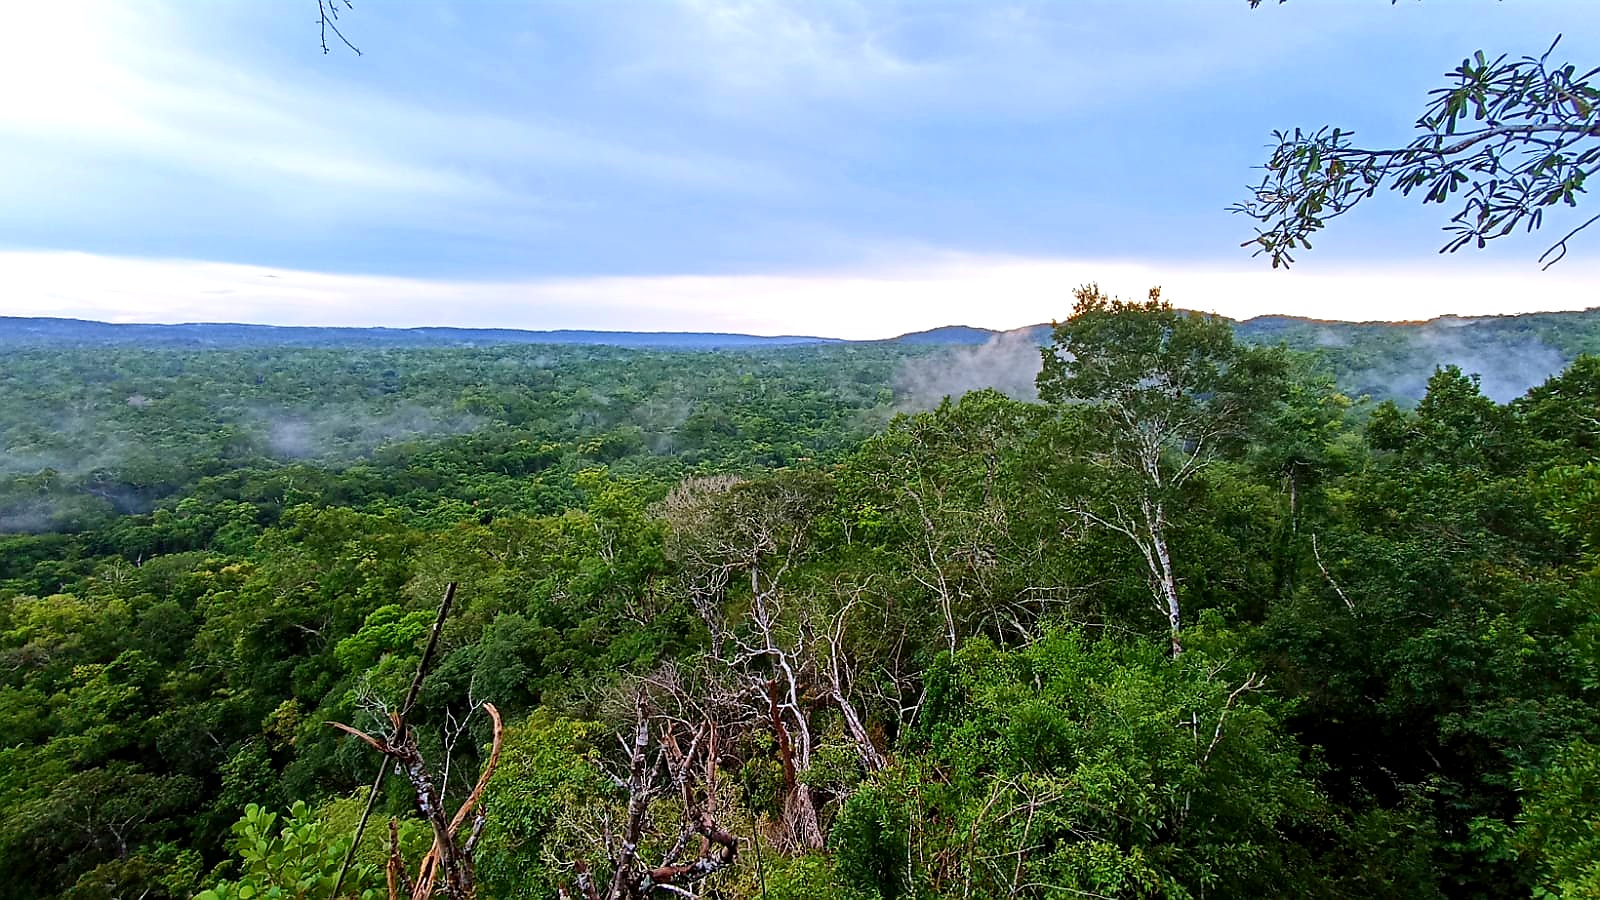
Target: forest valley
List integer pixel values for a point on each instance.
(625, 624)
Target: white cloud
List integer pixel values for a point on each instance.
(888, 299)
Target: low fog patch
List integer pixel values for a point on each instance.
(68, 445)
(1507, 368)
(1328, 337)
(335, 434)
(1009, 362)
(28, 518)
(660, 419)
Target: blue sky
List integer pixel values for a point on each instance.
(844, 167)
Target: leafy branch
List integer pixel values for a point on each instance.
(1505, 139)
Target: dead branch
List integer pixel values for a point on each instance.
(374, 743)
(395, 868)
(328, 20)
(838, 683)
(685, 765)
(488, 770)
(405, 709)
(1253, 682)
(448, 856)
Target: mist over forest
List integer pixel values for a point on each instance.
(100, 422)
(457, 450)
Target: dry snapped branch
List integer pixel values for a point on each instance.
(451, 854)
(1504, 141)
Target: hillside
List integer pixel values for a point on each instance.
(1381, 359)
(1394, 359)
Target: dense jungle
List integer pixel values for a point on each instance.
(1185, 608)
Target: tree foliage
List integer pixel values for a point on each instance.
(870, 655)
(1157, 395)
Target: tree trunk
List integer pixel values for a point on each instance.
(870, 757)
(801, 827)
(1168, 584)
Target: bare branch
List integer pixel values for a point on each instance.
(328, 20)
(374, 743)
(1252, 682)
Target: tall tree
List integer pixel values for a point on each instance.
(1154, 395)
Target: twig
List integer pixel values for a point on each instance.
(1252, 682)
(328, 18)
(427, 652)
(755, 845)
(1558, 250)
(488, 770)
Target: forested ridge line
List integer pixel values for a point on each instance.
(1196, 622)
(91, 432)
(1568, 329)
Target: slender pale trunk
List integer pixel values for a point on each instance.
(946, 603)
(837, 683)
(870, 757)
(1294, 502)
(801, 826)
(1169, 590)
(1155, 515)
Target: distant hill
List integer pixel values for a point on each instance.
(1383, 360)
(16, 331)
(953, 335)
(1395, 359)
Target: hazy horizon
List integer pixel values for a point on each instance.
(790, 335)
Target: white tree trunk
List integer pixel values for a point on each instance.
(1168, 585)
(870, 757)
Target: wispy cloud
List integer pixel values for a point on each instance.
(122, 101)
(759, 58)
(771, 46)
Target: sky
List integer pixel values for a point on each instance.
(848, 168)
